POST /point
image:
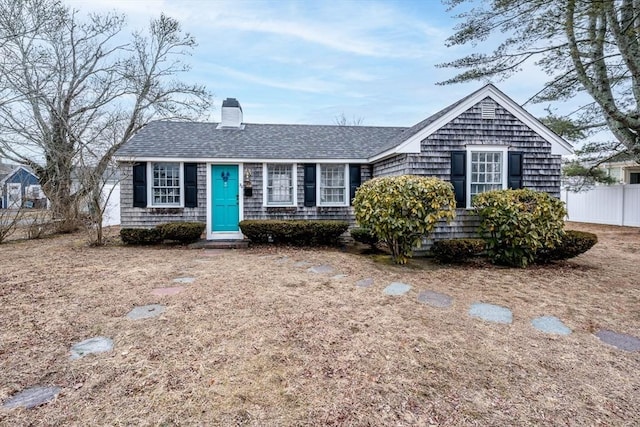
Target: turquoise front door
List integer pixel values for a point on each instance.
(225, 202)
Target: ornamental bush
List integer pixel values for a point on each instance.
(401, 210)
(183, 232)
(572, 244)
(363, 235)
(140, 236)
(295, 232)
(518, 223)
(456, 250)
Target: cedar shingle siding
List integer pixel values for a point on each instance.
(203, 144)
(149, 217)
(254, 209)
(541, 169)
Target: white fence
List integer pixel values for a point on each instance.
(610, 204)
(112, 210)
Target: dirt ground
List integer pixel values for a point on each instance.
(257, 340)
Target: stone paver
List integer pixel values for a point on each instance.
(32, 397)
(550, 325)
(339, 276)
(321, 269)
(397, 288)
(621, 341)
(491, 313)
(302, 264)
(146, 311)
(91, 346)
(435, 299)
(161, 292)
(184, 280)
(365, 283)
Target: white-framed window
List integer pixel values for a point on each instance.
(333, 185)
(279, 184)
(166, 184)
(486, 169)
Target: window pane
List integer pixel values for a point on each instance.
(332, 184)
(166, 184)
(280, 184)
(486, 172)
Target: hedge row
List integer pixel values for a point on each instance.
(457, 250)
(294, 232)
(183, 232)
(364, 235)
(572, 244)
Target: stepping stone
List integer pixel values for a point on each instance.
(397, 288)
(491, 313)
(90, 346)
(621, 341)
(161, 292)
(184, 280)
(550, 325)
(302, 264)
(435, 299)
(365, 283)
(32, 397)
(146, 311)
(339, 276)
(282, 260)
(321, 269)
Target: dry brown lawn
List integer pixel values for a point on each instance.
(256, 340)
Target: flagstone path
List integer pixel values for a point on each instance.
(38, 395)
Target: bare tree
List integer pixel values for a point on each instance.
(72, 91)
(342, 120)
(585, 46)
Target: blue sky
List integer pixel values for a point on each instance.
(311, 61)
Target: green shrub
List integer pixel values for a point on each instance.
(457, 250)
(401, 210)
(141, 236)
(183, 232)
(573, 243)
(295, 232)
(518, 223)
(363, 235)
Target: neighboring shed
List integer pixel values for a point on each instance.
(19, 187)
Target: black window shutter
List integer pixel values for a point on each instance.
(355, 180)
(459, 177)
(515, 170)
(140, 185)
(310, 184)
(190, 185)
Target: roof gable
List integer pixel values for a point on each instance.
(409, 141)
(17, 168)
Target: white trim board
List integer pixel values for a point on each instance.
(412, 145)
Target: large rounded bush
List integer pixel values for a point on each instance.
(401, 210)
(572, 244)
(518, 223)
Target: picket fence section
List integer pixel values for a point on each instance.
(610, 204)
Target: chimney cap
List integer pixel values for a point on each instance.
(231, 102)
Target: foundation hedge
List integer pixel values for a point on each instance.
(457, 250)
(294, 232)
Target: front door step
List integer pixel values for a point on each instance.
(220, 244)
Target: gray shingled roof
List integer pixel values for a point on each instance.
(257, 141)
(402, 137)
